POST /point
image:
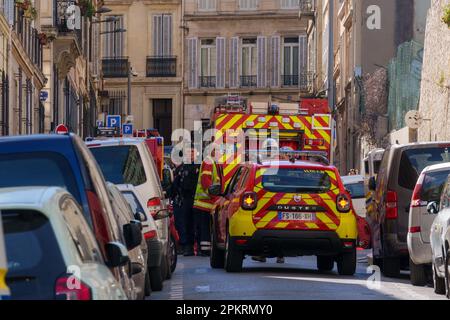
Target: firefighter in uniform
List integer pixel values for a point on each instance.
(204, 203)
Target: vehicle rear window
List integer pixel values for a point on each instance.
(356, 189)
(120, 164)
(296, 180)
(413, 161)
(45, 169)
(134, 202)
(432, 185)
(34, 258)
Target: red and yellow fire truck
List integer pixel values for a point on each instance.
(304, 126)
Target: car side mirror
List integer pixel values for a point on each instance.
(433, 207)
(140, 216)
(215, 190)
(372, 184)
(162, 214)
(133, 234)
(116, 254)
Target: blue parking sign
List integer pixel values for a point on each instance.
(127, 129)
(113, 121)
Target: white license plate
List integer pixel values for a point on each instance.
(296, 216)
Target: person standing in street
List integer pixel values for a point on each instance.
(204, 202)
(175, 194)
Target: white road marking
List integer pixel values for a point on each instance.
(176, 284)
(202, 289)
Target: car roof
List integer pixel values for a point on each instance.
(437, 167)
(114, 142)
(38, 198)
(421, 144)
(352, 179)
(36, 142)
(296, 164)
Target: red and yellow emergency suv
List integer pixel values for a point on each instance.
(304, 126)
(284, 208)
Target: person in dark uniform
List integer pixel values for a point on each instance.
(175, 195)
(188, 176)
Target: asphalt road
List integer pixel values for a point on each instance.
(297, 278)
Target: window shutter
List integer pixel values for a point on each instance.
(9, 6)
(157, 35)
(234, 62)
(303, 60)
(220, 60)
(276, 61)
(262, 62)
(192, 57)
(120, 38)
(167, 35)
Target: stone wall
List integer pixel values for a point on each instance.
(435, 95)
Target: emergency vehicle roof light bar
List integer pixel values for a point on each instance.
(315, 156)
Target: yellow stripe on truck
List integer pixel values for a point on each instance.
(4, 291)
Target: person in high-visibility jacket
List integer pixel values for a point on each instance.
(203, 203)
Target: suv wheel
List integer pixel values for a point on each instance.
(391, 267)
(233, 256)
(148, 285)
(156, 279)
(217, 256)
(439, 283)
(346, 263)
(325, 263)
(447, 275)
(173, 255)
(418, 275)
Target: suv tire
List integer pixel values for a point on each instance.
(148, 285)
(439, 283)
(156, 279)
(233, 256)
(418, 275)
(217, 256)
(173, 254)
(325, 263)
(447, 276)
(391, 267)
(346, 263)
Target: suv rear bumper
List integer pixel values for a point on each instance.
(293, 243)
(154, 253)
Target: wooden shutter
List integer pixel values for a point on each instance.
(120, 43)
(157, 35)
(167, 35)
(262, 62)
(234, 62)
(275, 61)
(192, 63)
(302, 60)
(221, 62)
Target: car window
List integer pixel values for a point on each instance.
(232, 185)
(445, 197)
(121, 164)
(432, 185)
(37, 169)
(134, 203)
(413, 161)
(356, 190)
(296, 180)
(79, 232)
(33, 254)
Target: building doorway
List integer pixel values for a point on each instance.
(162, 118)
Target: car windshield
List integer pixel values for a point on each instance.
(34, 257)
(432, 185)
(356, 189)
(296, 180)
(37, 169)
(413, 161)
(120, 164)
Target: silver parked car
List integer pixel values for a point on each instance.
(428, 189)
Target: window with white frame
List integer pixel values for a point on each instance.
(290, 4)
(248, 62)
(208, 62)
(290, 61)
(248, 4)
(207, 5)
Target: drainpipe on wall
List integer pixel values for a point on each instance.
(182, 64)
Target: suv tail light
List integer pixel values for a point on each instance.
(343, 203)
(415, 201)
(391, 205)
(249, 201)
(72, 288)
(154, 205)
(150, 235)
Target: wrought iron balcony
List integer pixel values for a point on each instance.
(248, 81)
(161, 66)
(115, 67)
(62, 20)
(290, 80)
(304, 81)
(207, 81)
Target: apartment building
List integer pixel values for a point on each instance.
(21, 69)
(258, 49)
(142, 46)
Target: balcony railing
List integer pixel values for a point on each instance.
(158, 66)
(248, 81)
(303, 81)
(115, 67)
(207, 81)
(61, 19)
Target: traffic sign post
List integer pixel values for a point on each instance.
(113, 121)
(127, 129)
